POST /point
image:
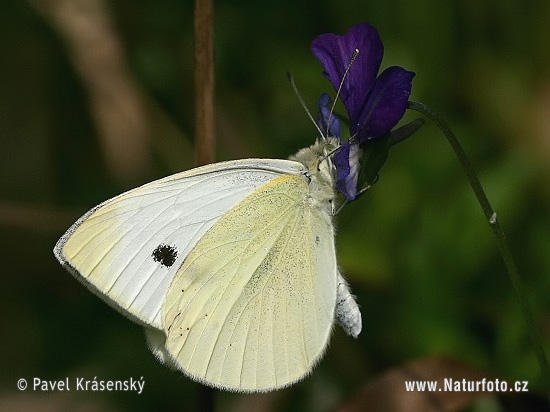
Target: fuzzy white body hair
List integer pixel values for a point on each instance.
(321, 172)
(323, 190)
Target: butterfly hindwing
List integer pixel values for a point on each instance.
(128, 248)
(252, 306)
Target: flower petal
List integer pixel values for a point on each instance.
(386, 103)
(335, 52)
(327, 121)
(346, 161)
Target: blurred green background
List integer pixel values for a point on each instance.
(97, 97)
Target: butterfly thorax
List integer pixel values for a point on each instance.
(321, 172)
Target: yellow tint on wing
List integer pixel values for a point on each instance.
(252, 306)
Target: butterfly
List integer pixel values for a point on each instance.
(231, 267)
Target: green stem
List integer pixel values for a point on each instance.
(494, 224)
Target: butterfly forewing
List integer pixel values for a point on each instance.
(252, 306)
(128, 249)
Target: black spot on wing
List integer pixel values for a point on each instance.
(165, 255)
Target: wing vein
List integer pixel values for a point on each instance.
(236, 271)
(154, 235)
(249, 242)
(313, 288)
(285, 329)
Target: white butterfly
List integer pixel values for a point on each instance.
(230, 267)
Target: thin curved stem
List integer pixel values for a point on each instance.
(500, 237)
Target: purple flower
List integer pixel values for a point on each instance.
(375, 103)
(328, 123)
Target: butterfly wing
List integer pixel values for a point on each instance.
(252, 306)
(128, 248)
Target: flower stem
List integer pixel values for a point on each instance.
(494, 224)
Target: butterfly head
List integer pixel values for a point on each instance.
(317, 158)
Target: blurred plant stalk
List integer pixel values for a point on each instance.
(205, 147)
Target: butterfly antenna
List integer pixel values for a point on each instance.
(329, 154)
(351, 139)
(346, 72)
(303, 104)
(345, 202)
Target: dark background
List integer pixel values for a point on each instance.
(97, 97)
